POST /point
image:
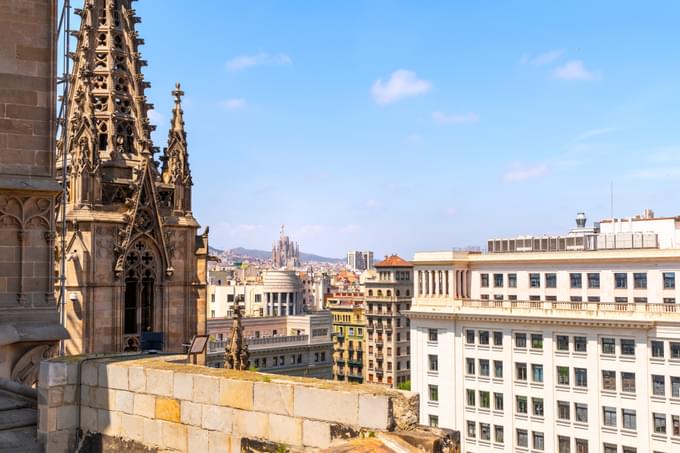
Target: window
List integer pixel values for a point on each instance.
(512, 280)
(657, 348)
(575, 280)
(659, 423)
(470, 336)
(521, 404)
(551, 280)
(537, 439)
(669, 280)
(593, 298)
(498, 401)
(621, 300)
(534, 280)
(434, 421)
(537, 404)
(498, 434)
(536, 341)
(522, 438)
(563, 410)
(485, 431)
(562, 343)
(498, 338)
(580, 344)
(498, 368)
(609, 448)
(471, 399)
(608, 346)
(627, 382)
(483, 367)
(484, 399)
(676, 425)
(620, 280)
(580, 377)
(484, 337)
(629, 450)
(471, 430)
(470, 366)
(432, 335)
(627, 347)
(675, 350)
(658, 385)
(581, 446)
(609, 380)
(629, 417)
(521, 341)
(563, 375)
(640, 280)
(609, 416)
(434, 393)
(593, 280)
(675, 387)
(498, 280)
(537, 373)
(433, 360)
(484, 280)
(563, 444)
(581, 412)
(521, 371)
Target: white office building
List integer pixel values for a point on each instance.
(562, 344)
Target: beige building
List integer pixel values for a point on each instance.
(135, 263)
(29, 324)
(388, 295)
(566, 344)
(349, 336)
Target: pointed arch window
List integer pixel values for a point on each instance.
(141, 264)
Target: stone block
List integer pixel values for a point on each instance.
(66, 417)
(374, 411)
(56, 373)
(274, 398)
(137, 379)
(152, 432)
(237, 394)
(284, 429)
(60, 441)
(167, 409)
(72, 368)
(145, 405)
(117, 376)
(326, 405)
(132, 427)
(219, 442)
(174, 436)
(217, 418)
(316, 434)
(123, 401)
(191, 413)
(88, 419)
(55, 396)
(197, 440)
(159, 382)
(108, 422)
(69, 394)
(47, 420)
(206, 389)
(89, 375)
(104, 398)
(250, 424)
(183, 386)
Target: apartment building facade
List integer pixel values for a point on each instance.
(348, 311)
(388, 295)
(562, 350)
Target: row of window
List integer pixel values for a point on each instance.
(522, 438)
(278, 361)
(576, 280)
(536, 298)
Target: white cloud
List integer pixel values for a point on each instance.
(542, 59)
(310, 230)
(351, 228)
(574, 70)
(455, 118)
(155, 117)
(595, 132)
(248, 61)
(401, 84)
(665, 172)
(234, 104)
(519, 172)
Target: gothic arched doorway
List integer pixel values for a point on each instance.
(141, 278)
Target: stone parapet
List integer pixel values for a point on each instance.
(159, 402)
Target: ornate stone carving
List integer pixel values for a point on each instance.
(27, 368)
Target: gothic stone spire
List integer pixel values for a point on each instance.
(175, 157)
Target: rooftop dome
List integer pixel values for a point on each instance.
(281, 281)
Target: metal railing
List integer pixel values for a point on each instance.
(635, 307)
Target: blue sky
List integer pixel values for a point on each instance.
(404, 126)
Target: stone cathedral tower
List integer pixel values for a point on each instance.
(134, 260)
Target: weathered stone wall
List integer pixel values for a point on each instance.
(155, 403)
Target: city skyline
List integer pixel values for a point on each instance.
(492, 122)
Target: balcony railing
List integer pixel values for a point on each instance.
(573, 306)
(258, 343)
(353, 362)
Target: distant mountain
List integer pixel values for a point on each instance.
(264, 255)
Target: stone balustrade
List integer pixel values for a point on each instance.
(146, 401)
